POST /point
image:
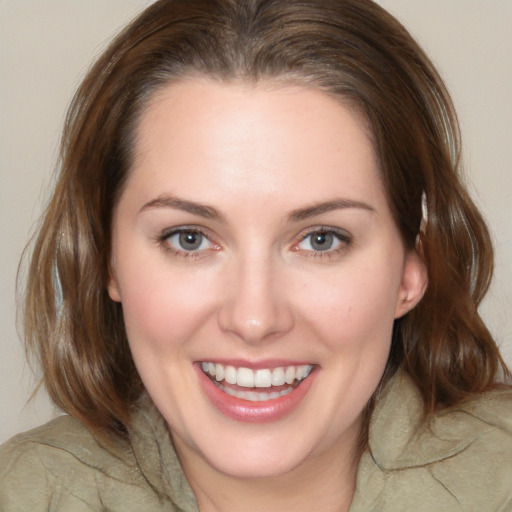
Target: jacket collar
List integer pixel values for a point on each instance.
(399, 436)
(154, 450)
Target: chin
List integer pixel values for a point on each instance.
(257, 466)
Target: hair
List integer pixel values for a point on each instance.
(352, 50)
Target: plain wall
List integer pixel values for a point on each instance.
(46, 47)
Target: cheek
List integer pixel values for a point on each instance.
(353, 310)
(162, 309)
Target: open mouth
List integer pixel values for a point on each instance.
(259, 385)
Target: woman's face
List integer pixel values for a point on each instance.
(260, 272)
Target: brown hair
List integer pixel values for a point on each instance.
(352, 50)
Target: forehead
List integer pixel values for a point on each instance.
(240, 139)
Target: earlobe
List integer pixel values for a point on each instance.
(112, 286)
(414, 283)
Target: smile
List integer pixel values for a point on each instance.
(258, 395)
(277, 382)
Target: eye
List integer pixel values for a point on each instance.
(324, 240)
(187, 240)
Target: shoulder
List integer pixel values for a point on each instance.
(460, 460)
(479, 471)
(32, 463)
(477, 431)
(63, 466)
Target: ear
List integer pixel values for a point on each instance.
(112, 284)
(414, 282)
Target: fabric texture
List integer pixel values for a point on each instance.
(460, 461)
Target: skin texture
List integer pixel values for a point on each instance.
(256, 290)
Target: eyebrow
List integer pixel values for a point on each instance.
(209, 212)
(328, 206)
(176, 203)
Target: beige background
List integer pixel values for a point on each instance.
(47, 45)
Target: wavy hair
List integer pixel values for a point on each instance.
(351, 49)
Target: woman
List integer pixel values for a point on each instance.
(256, 283)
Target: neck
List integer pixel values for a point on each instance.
(325, 482)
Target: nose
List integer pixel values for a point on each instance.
(255, 306)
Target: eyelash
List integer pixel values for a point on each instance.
(163, 241)
(344, 239)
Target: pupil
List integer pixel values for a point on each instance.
(322, 241)
(190, 240)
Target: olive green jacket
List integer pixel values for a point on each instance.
(461, 461)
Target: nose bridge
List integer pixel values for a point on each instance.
(255, 305)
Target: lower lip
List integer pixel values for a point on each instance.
(255, 412)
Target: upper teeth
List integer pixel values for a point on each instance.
(262, 378)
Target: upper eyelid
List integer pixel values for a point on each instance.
(344, 237)
(166, 233)
(163, 240)
(343, 233)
